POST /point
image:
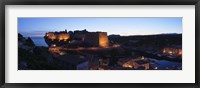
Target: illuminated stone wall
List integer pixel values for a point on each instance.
(92, 39)
(51, 35)
(103, 39)
(97, 39)
(63, 36)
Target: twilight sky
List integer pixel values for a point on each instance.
(36, 27)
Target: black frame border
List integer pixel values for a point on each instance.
(99, 2)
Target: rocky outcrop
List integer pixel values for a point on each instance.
(31, 57)
(24, 43)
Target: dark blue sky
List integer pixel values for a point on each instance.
(36, 27)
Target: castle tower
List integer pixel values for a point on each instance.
(103, 39)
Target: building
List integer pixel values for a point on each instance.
(173, 50)
(134, 63)
(92, 39)
(96, 39)
(103, 39)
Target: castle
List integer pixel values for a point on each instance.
(77, 38)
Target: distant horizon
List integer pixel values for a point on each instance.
(109, 35)
(37, 27)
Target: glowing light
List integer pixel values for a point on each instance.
(54, 45)
(116, 45)
(63, 36)
(62, 53)
(164, 51)
(142, 58)
(156, 68)
(180, 52)
(55, 49)
(170, 52)
(126, 65)
(103, 40)
(130, 66)
(51, 36)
